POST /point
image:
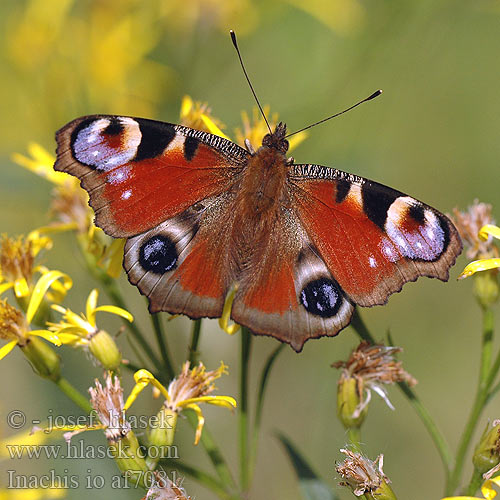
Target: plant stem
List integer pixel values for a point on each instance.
(354, 434)
(475, 483)
(195, 338)
(162, 344)
(439, 441)
(202, 477)
(487, 346)
(74, 394)
(487, 376)
(246, 344)
(260, 403)
(213, 453)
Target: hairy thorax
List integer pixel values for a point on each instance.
(260, 199)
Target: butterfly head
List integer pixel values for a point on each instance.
(276, 139)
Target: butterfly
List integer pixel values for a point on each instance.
(300, 244)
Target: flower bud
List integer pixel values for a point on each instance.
(105, 350)
(487, 452)
(349, 408)
(130, 459)
(43, 358)
(486, 288)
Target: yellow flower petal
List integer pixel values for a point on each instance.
(186, 106)
(479, 265)
(5, 286)
(142, 379)
(21, 288)
(487, 487)
(224, 401)
(226, 314)
(213, 128)
(488, 230)
(201, 421)
(296, 140)
(91, 305)
(116, 310)
(47, 335)
(7, 348)
(41, 287)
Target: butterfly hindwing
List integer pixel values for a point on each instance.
(372, 238)
(141, 172)
(181, 265)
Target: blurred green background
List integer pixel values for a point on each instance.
(433, 134)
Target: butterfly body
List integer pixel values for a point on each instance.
(302, 244)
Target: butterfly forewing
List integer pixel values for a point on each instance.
(140, 172)
(372, 238)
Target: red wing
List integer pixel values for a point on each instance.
(140, 172)
(182, 265)
(372, 238)
(286, 290)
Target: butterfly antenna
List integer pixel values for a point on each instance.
(375, 94)
(235, 43)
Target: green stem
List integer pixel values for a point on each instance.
(195, 339)
(486, 377)
(162, 344)
(202, 477)
(354, 434)
(475, 483)
(487, 347)
(74, 394)
(213, 453)
(439, 441)
(246, 344)
(259, 406)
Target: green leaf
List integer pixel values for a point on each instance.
(311, 486)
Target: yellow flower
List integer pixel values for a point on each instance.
(186, 391)
(485, 234)
(14, 327)
(17, 257)
(83, 331)
(198, 115)
(487, 489)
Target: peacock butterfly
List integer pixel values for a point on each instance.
(303, 243)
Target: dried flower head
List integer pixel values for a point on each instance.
(16, 259)
(165, 489)
(13, 325)
(360, 473)
(109, 405)
(469, 223)
(192, 383)
(190, 388)
(70, 206)
(372, 367)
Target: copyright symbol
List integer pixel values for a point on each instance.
(16, 419)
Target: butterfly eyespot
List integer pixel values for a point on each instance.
(321, 297)
(158, 254)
